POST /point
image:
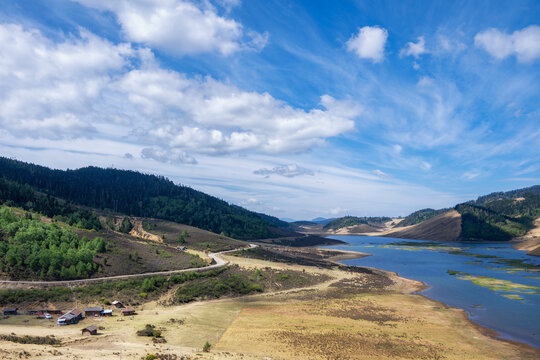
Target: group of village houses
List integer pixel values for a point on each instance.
(76, 315)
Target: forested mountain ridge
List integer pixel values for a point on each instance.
(136, 194)
(512, 194)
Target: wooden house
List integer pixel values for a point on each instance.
(128, 311)
(72, 317)
(90, 330)
(10, 311)
(93, 311)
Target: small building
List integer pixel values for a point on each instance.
(118, 304)
(53, 311)
(72, 317)
(90, 330)
(106, 312)
(128, 311)
(92, 311)
(10, 311)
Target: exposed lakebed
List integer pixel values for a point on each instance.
(498, 286)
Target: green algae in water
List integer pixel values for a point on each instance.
(495, 284)
(479, 256)
(513, 296)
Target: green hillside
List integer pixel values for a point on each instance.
(421, 215)
(499, 220)
(131, 193)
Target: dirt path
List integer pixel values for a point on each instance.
(138, 231)
(217, 262)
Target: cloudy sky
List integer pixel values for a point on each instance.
(294, 108)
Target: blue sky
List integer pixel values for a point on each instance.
(297, 109)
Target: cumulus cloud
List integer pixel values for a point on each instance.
(173, 156)
(525, 43)
(128, 156)
(47, 88)
(84, 86)
(286, 171)
(414, 48)
(368, 43)
(179, 27)
(210, 117)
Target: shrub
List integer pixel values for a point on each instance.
(206, 347)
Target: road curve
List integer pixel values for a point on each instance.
(217, 263)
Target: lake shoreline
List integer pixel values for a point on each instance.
(485, 330)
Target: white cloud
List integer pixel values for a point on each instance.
(425, 165)
(207, 116)
(447, 44)
(470, 175)
(48, 88)
(414, 49)
(525, 43)
(425, 81)
(83, 87)
(286, 170)
(179, 27)
(380, 174)
(173, 156)
(368, 43)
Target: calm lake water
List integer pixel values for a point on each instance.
(498, 286)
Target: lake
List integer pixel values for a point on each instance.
(498, 286)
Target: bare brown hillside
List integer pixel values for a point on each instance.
(531, 241)
(445, 227)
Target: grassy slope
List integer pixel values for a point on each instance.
(197, 239)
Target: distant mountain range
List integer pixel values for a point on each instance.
(499, 216)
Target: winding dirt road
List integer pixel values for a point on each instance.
(218, 262)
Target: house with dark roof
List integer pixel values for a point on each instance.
(90, 330)
(10, 311)
(128, 311)
(93, 311)
(72, 317)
